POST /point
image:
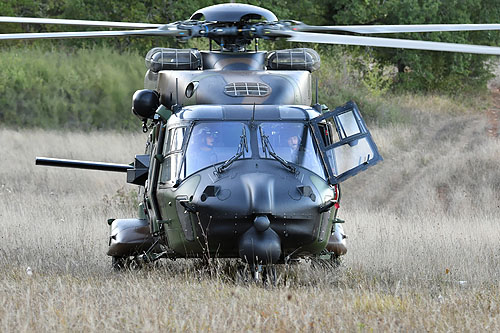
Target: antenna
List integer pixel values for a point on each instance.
(177, 90)
(176, 107)
(316, 105)
(316, 90)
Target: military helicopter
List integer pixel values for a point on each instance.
(239, 161)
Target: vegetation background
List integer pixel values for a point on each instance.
(423, 225)
(72, 83)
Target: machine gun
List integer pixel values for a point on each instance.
(137, 172)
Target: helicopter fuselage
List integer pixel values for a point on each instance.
(199, 207)
(237, 164)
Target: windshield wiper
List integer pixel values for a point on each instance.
(242, 147)
(266, 144)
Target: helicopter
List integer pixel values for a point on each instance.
(239, 162)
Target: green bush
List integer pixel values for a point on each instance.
(343, 78)
(92, 88)
(86, 89)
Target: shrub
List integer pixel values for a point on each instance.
(86, 88)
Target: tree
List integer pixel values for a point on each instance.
(426, 70)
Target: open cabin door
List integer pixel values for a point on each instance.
(345, 143)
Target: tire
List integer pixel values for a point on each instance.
(118, 263)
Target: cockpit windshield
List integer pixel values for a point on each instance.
(293, 143)
(211, 143)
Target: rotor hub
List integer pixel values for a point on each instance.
(232, 13)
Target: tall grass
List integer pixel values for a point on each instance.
(423, 244)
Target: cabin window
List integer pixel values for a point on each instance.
(292, 142)
(212, 143)
(174, 140)
(348, 126)
(172, 153)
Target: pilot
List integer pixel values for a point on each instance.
(205, 144)
(207, 141)
(204, 139)
(294, 145)
(300, 154)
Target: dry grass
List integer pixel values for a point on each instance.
(423, 232)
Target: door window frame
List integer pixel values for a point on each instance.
(327, 144)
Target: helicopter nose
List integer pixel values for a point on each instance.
(260, 192)
(261, 223)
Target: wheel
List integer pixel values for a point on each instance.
(118, 263)
(265, 274)
(329, 264)
(121, 263)
(269, 275)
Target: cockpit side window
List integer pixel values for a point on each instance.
(172, 153)
(293, 142)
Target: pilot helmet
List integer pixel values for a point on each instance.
(203, 132)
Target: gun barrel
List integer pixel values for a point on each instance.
(56, 162)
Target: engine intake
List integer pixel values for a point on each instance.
(294, 59)
(160, 58)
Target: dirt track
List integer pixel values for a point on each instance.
(494, 112)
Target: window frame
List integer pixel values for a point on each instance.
(189, 133)
(320, 123)
(169, 154)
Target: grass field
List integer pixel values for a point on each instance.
(423, 226)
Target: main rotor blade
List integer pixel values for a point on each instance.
(9, 19)
(95, 34)
(385, 29)
(295, 36)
